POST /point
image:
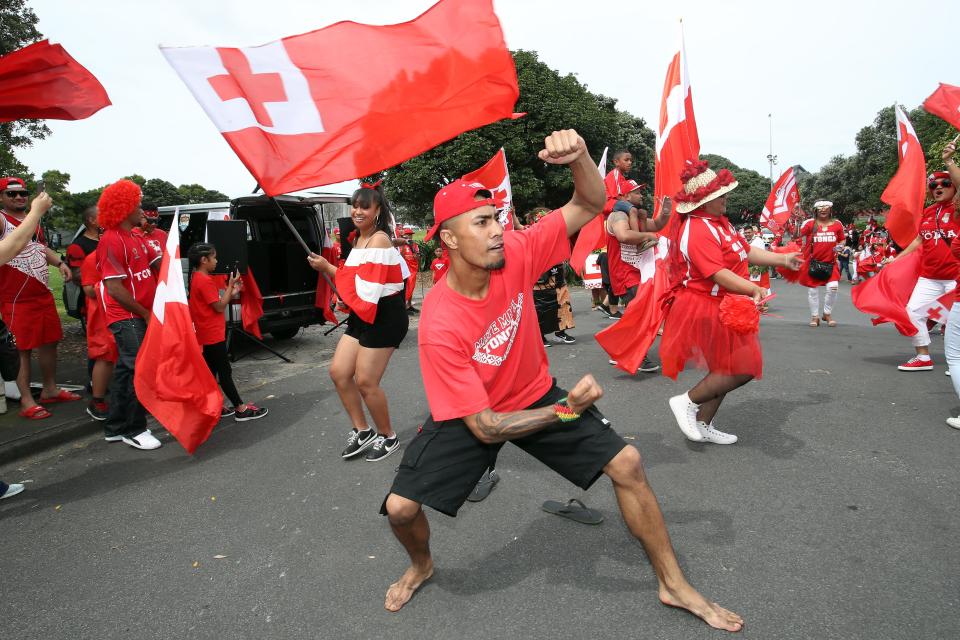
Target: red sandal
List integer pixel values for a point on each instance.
(36, 412)
(62, 396)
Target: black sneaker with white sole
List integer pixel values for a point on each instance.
(226, 412)
(383, 447)
(647, 366)
(358, 442)
(561, 337)
(251, 412)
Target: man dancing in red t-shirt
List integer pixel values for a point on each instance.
(487, 381)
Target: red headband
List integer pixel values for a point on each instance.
(367, 185)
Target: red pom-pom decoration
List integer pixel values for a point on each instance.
(790, 275)
(739, 314)
(117, 202)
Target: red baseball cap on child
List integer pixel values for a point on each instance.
(456, 198)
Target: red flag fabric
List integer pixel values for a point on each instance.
(44, 81)
(945, 103)
(495, 176)
(591, 236)
(885, 295)
(251, 304)
(628, 340)
(677, 139)
(171, 378)
(780, 203)
(907, 189)
(352, 99)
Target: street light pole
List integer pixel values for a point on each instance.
(772, 159)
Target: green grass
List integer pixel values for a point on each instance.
(56, 286)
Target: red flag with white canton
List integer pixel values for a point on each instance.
(945, 103)
(44, 81)
(783, 198)
(352, 99)
(496, 177)
(677, 139)
(907, 190)
(171, 378)
(591, 236)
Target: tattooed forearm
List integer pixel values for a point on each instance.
(492, 427)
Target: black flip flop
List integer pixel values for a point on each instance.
(574, 510)
(484, 486)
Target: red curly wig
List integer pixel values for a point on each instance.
(117, 202)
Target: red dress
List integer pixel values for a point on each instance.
(692, 329)
(819, 244)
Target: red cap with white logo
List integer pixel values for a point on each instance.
(6, 183)
(456, 198)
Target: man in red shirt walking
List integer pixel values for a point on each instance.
(127, 265)
(487, 382)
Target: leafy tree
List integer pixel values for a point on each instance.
(17, 29)
(197, 194)
(162, 193)
(746, 201)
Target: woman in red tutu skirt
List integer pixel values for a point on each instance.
(709, 261)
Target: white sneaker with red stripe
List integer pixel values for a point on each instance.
(917, 363)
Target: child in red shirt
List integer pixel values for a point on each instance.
(206, 309)
(101, 347)
(440, 263)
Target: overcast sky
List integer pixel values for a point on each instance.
(822, 68)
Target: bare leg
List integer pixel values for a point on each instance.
(342, 369)
(709, 392)
(100, 380)
(642, 515)
(410, 526)
(371, 363)
(47, 355)
(23, 381)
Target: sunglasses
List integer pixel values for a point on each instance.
(933, 184)
(20, 193)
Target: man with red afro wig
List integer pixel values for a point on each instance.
(27, 304)
(127, 264)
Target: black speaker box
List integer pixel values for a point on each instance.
(229, 237)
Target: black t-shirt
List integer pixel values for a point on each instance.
(84, 247)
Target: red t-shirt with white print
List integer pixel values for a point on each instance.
(709, 244)
(123, 255)
(479, 354)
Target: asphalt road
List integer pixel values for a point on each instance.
(836, 516)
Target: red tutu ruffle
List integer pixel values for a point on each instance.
(693, 332)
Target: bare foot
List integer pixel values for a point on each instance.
(403, 589)
(710, 612)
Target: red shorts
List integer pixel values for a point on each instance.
(693, 332)
(33, 321)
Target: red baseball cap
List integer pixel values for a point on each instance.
(8, 182)
(939, 175)
(456, 198)
(634, 185)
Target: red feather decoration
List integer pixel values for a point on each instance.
(739, 314)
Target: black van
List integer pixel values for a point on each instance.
(278, 262)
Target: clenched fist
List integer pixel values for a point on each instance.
(562, 147)
(584, 394)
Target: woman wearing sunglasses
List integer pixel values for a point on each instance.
(938, 266)
(821, 236)
(951, 339)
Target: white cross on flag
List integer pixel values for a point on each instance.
(495, 176)
(783, 198)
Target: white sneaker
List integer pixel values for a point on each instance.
(11, 390)
(144, 441)
(714, 435)
(954, 422)
(685, 412)
(12, 490)
(947, 372)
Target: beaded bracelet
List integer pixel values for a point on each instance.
(563, 411)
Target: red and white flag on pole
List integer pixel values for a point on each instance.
(945, 103)
(171, 378)
(907, 189)
(677, 139)
(352, 99)
(783, 198)
(591, 236)
(496, 177)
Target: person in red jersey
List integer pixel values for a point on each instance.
(27, 304)
(709, 261)
(487, 382)
(951, 335)
(207, 304)
(148, 230)
(101, 347)
(938, 265)
(127, 265)
(440, 263)
(821, 237)
(410, 252)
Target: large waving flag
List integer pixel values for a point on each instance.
(591, 236)
(907, 189)
(782, 199)
(171, 378)
(495, 176)
(945, 103)
(677, 139)
(352, 99)
(885, 295)
(44, 81)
